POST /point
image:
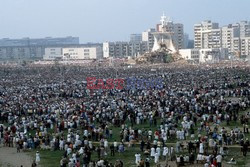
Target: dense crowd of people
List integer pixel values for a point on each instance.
(49, 107)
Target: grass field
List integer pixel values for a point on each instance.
(52, 158)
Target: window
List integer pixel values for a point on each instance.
(86, 50)
(86, 54)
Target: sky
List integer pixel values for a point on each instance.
(110, 20)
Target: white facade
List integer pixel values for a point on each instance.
(213, 55)
(106, 50)
(228, 33)
(53, 53)
(233, 36)
(207, 35)
(190, 54)
(82, 53)
(204, 55)
(73, 53)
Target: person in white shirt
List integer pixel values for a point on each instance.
(137, 158)
(201, 149)
(157, 156)
(81, 151)
(165, 153)
(152, 153)
(199, 157)
(37, 157)
(61, 143)
(116, 145)
(69, 150)
(158, 150)
(206, 165)
(221, 150)
(106, 144)
(219, 160)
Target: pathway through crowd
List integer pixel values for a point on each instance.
(9, 157)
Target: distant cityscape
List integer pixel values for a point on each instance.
(211, 43)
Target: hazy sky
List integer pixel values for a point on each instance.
(109, 20)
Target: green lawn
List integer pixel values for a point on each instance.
(48, 158)
(52, 158)
(237, 155)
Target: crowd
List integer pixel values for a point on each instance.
(49, 107)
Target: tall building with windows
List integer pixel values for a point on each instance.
(207, 35)
(244, 41)
(228, 35)
(135, 37)
(148, 37)
(178, 37)
(245, 46)
(244, 29)
(234, 37)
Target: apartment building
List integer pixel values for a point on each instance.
(178, 37)
(234, 37)
(245, 46)
(148, 37)
(124, 49)
(228, 35)
(244, 29)
(207, 35)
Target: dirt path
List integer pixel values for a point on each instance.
(10, 158)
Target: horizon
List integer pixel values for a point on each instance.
(113, 21)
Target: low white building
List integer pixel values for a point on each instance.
(213, 55)
(75, 53)
(82, 53)
(53, 54)
(190, 54)
(204, 55)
